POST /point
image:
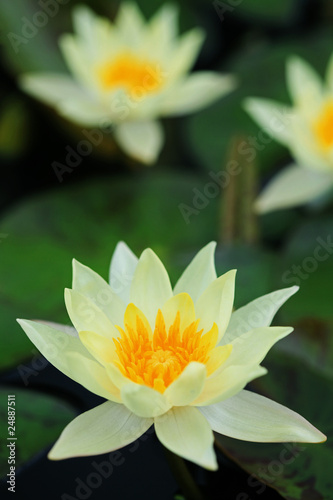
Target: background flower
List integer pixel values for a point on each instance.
(128, 74)
(306, 129)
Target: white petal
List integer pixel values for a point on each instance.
(86, 316)
(188, 386)
(293, 186)
(215, 304)
(251, 347)
(52, 88)
(259, 312)
(77, 61)
(130, 24)
(303, 82)
(251, 417)
(142, 140)
(90, 284)
(144, 401)
(85, 112)
(68, 354)
(186, 53)
(196, 92)
(274, 118)
(163, 26)
(151, 286)
(122, 268)
(199, 273)
(70, 330)
(225, 383)
(186, 432)
(105, 428)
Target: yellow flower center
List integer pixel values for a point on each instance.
(323, 126)
(138, 77)
(157, 359)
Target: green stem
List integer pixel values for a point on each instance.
(183, 477)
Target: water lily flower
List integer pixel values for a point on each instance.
(306, 128)
(176, 358)
(127, 74)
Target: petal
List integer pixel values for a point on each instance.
(199, 273)
(215, 304)
(90, 284)
(70, 330)
(76, 60)
(196, 92)
(187, 386)
(227, 382)
(163, 26)
(68, 354)
(86, 316)
(92, 376)
(273, 117)
(130, 24)
(182, 303)
(144, 401)
(186, 52)
(251, 417)
(123, 265)
(151, 286)
(294, 185)
(85, 111)
(260, 312)
(141, 140)
(51, 88)
(251, 347)
(303, 82)
(186, 432)
(105, 428)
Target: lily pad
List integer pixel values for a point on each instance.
(36, 414)
(297, 471)
(85, 222)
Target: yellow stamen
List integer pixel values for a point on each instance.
(323, 126)
(157, 359)
(136, 76)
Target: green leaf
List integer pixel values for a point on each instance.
(85, 222)
(296, 471)
(35, 415)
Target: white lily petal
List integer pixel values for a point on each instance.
(196, 92)
(130, 24)
(293, 186)
(144, 401)
(260, 312)
(186, 52)
(225, 383)
(273, 117)
(142, 140)
(52, 88)
(69, 330)
(92, 285)
(151, 286)
(188, 386)
(76, 60)
(122, 268)
(199, 273)
(163, 25)
(251, 347)
(92, 376)
(68, 354)
(251, 417)
(87, 316)
(86, 112)
(215, 303)
(103, 429)
(186, 432)
(303, 82)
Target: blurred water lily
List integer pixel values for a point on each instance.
(306, 129)
(128, 74)
(176, 358)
